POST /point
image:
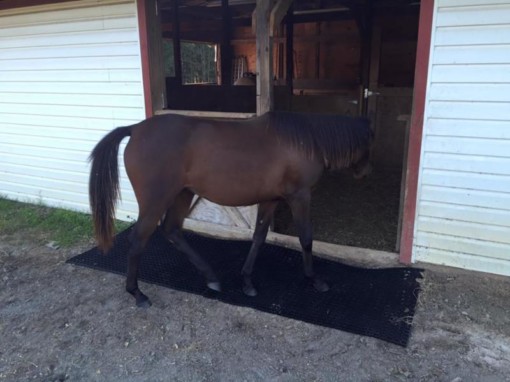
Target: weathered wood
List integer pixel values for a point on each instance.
(264, 57)
(375, 58)
(407, 119)
(176, 42)
(349, 255)
(205, 114)
(236, 217)
(366, 50)
(225, 49)
(289, 48)
(158, 87)
(277, 13)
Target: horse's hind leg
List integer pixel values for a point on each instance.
(264, 215)
(143, 229)
(172, 227)
(300, 206)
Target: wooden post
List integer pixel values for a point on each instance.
(366, 49)
(149, 26)
(289, 53)
(176, 35)
(226, 49)
(265, 95)
(373, 83)
(268, 17)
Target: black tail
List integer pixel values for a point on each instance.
(104, 185)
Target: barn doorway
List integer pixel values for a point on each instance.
(329, 56)
(360, 65)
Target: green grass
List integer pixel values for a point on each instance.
(64, 227)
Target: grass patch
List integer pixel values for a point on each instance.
(64, 227)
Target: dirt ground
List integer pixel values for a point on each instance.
(60, 322)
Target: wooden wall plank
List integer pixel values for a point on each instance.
(468, 128)
(497, 111)
(470, 230)
(468, 146)
(462, 260)
(472, 54)
(484, 92)
(466, 180)
(467, 163)
(479, 14)
(470, 35)
(464, 213)
(463, 245)
(473, 73)
(466, 197)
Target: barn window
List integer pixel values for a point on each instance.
(198, 62)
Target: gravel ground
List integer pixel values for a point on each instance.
(59, 322)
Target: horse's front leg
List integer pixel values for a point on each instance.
(264, 217)
(300, 207)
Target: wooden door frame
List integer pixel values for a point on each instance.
(153, 77)
(416, 125)
(416, 131)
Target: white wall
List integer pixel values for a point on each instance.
(463, 214)
(69, 73)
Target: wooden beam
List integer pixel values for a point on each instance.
(151, 50)
(208, 114)
(416, 130)
(289, 49)
(320, 17)
(279, 10)
(265, 95)
(144, 52)
(350, 255)
(11, 4)
(226, 50)
(365, 26)
(176, 41)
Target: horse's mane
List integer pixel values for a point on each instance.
(332, 139)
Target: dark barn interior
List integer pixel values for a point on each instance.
(351, 57)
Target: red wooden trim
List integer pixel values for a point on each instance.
(9, 4)
(144, 52)
(416, 129)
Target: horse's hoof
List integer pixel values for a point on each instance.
(249, 291)
(214, 285)
(142, 301)
(320, 285)
(144, 304)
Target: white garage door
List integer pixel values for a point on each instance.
(69, 73)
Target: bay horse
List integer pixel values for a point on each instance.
(170, 158)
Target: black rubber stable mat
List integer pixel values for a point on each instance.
(374, 302)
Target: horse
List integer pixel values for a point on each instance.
(264, 160)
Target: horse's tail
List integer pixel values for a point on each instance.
(104, 185)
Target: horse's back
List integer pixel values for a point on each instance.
(231, 162)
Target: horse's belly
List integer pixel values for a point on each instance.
(235, 194)
(235, 188)
(252, 187)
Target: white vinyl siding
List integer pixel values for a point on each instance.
(69, 73)
(463, 214)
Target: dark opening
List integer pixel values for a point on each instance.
(329, 56)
